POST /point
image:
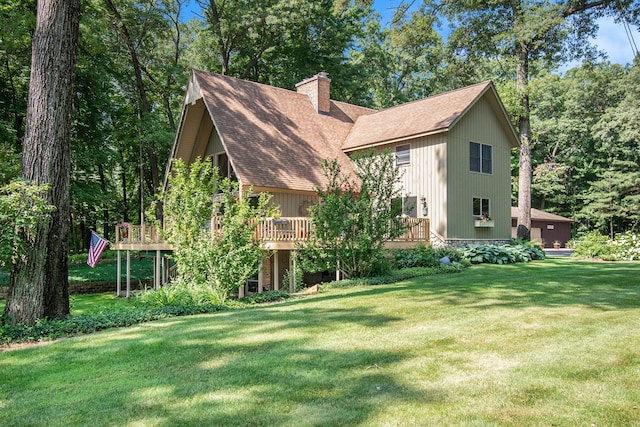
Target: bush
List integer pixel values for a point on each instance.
(504, 254)
(625, 247)
(593, 245)
(88, 323)
(264, 297)
(422, 256)
(397, 275)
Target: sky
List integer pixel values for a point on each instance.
(611, 36)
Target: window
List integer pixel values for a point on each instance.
(403, 156)
(225, 170)
(407, 206)
(481, 208)
(480, 158)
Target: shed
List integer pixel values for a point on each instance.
(545, 227)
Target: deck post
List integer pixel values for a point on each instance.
(119, 277)
(338, 272)
(128, 272)
(292, 277)
(165, 270)
(260, 277)
(157, 273)
(276, 272)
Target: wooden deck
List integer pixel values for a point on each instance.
(276, 233)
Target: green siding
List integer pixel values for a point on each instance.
(480, 125)
(215, 144)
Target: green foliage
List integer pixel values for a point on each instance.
(625, 247)
(168, 301)
(298, 284)
(22, 210)
(9, 164)
(216, 255)
(396, 276)
(265, 297)
(505, 254)
(118, 317)
(354, 217)
(422, 256)
(593, 245)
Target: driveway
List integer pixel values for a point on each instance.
(558, 252)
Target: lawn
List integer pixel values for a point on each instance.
(105, 271)
(546, 343)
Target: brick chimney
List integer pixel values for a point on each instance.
(318, 89)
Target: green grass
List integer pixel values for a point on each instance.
(540, 344)
(105, 271)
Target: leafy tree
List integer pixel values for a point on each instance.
(146, 44)
(9, 164)
(17, 21)
(528, 33)
(39, 283)
(398, 63)
(220, 255)
(281, 42)
(355, 216)
(22, 210)
(614, 196)
(565, 112)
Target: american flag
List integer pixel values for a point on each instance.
(96, 247)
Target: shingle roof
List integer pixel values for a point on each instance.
(426, 116)
(538, 215)
(273, 136)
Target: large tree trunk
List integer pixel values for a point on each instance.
(524, 126)
(39, 283)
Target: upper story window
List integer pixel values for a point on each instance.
(403, 154)
(480, 158)
(225, 170)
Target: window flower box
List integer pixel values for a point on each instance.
(488, 223)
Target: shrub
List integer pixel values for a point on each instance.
(396, 276)
(626, 247)
(593, 245)
(422, 256)
(503, 254)
(88, 323)
(264, 297)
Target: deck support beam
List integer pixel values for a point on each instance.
(156, 275)
(119, 277)
(128, 273)
(292, 270)
(276, 272)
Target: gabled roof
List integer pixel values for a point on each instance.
(435, 114)
(538, 215)
(273, 136)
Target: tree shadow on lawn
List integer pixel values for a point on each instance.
(253, 367)
(556, 282)
(552, 283)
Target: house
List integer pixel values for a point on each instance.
(546, 227)
(454, 151)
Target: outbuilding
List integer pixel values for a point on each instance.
(545, 227)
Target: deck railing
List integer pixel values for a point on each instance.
(278, 230)
(138, 234)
